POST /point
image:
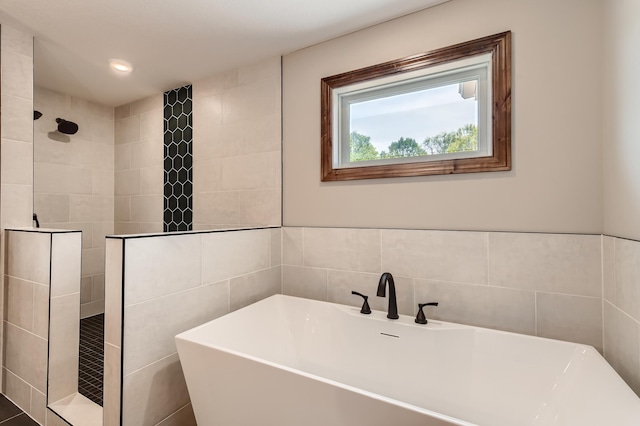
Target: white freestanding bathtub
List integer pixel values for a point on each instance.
(287, 361)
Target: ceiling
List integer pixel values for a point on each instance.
(170, 43)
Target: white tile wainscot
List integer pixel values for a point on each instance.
(547, 285)
(159, 285)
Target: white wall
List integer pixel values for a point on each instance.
(621, 103)
(556, 181)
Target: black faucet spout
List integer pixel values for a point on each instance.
(393, 304)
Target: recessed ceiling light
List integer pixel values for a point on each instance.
(121, 66)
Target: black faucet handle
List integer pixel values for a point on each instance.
(365, 306)
(420, 318)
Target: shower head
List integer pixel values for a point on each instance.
(36, 115)
(66, 127)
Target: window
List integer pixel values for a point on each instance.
(445, 111)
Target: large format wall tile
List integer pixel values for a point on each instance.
(571, 318)
(16, 389)
(346, 249)
(230, 254)
(569, 264)
(26, 356)
(66, 264)
(182, 417)
(19, 296)
(293, 246)
(438, 255)
(154, 392)
(253, 287)
(146, 344)
(112, 385)
(608, 269)
(64, 346)
(29, 256)
(622, 344)
(627, 277)
(299, 281)
(172, 263)
(237, 147)
(483, 306)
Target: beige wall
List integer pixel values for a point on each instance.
(556, 181)
(74, 179)
(621, 102)
(139, 175)
(237, 147)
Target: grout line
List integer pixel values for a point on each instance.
(11, 418)
(148, 365)
(535, 312)
(623, 312)
(602, 332)
(488, 259)
(26, 331)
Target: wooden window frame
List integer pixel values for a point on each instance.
(498, 45)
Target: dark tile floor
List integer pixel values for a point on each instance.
(91, 365)
(10, 415)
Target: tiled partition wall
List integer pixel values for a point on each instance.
(539, 284)
(621, 277)
(169, 283)
(73, 181)
(41, 264)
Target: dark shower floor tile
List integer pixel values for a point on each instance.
(91, 365)
(7, 409)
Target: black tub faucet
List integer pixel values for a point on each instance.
(420, 318)
(393, 304)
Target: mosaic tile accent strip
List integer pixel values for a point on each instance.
(178, 159)
(91, 365)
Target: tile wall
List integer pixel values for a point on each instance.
(621, 277)
(139, 175)
(74, 181)
(237, 147)
(16, 132)
(16, 127)
(41, 265)
(546, 285)
(179, 280)
(64, 318)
